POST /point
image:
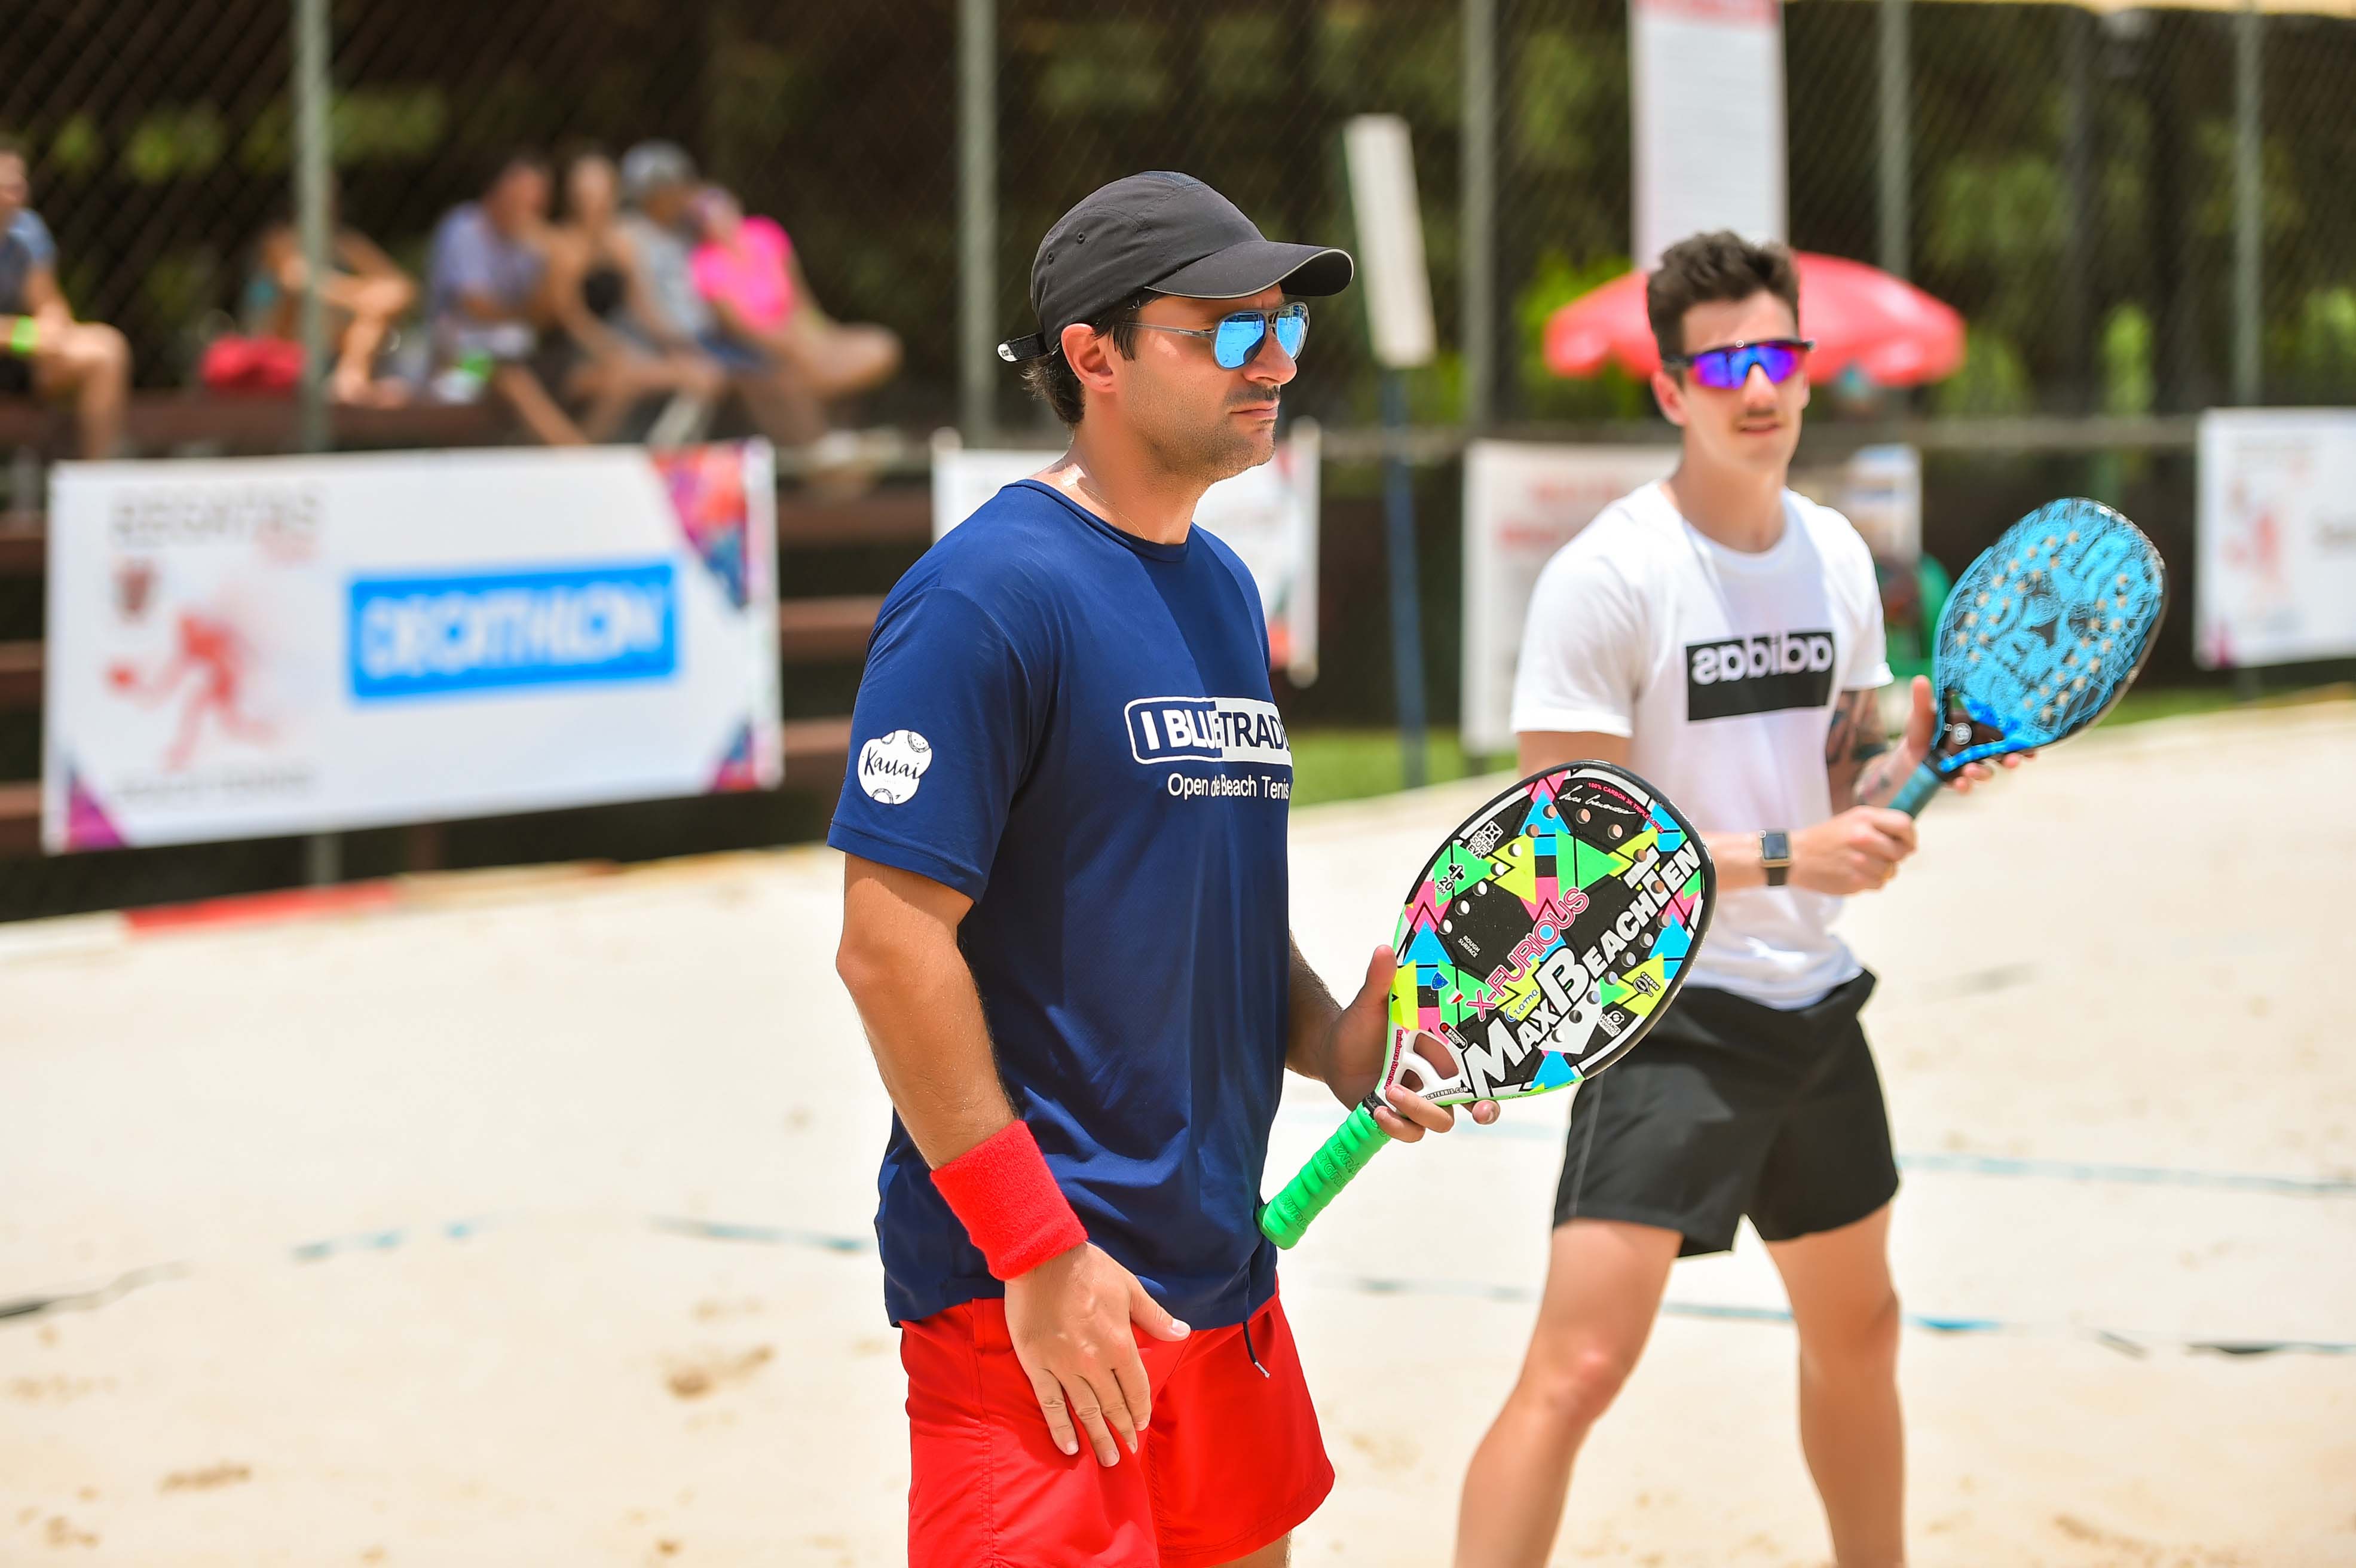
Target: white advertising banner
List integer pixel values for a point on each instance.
(1879, 490)
(1705, 89)
(274, 646)
(1265, 515)
(2275, 559)
(1522, 503)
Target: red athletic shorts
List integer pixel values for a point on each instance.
(1231, 1461)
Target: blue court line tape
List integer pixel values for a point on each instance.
(770, 1235)
(2133, 1174)
(377, 1241)
(385, 1241)
(2131, 1343)
(1997, 1165)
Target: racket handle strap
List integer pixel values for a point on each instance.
(1286, 1218)
(1917, 791)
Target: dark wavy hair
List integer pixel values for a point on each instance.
(1051, 380)
(1706, 268)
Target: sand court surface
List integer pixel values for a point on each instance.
(530, 1221)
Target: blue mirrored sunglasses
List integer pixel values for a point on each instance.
(1727, 368)
(1237, 337)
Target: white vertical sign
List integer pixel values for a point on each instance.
(1879, 490)
(1522, 503)
(1266, 514)
(1390, 240)
(1706, 91)
(2275, 562)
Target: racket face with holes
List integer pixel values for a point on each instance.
(1542, 940)
(2044, 633)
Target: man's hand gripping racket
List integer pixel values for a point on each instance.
(2042, 636)
(1537, 945)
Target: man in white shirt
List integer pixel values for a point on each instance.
(1722, 636)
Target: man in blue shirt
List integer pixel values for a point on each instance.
(486, 297)
(1064, 926)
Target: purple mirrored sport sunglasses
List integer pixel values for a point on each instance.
(1728, 367)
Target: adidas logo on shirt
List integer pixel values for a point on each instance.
(1758, 675)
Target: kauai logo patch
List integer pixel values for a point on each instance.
(890, 766)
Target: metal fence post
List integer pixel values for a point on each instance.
(311, 162)
(2078, 44)
(1406, 613)
(977, 215)
(2249, 151)
(323, 853)
(1897, 126)
(1477, 241)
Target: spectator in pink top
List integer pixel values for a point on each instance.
(749, 268)
(746, 271)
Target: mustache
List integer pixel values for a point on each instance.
(1272, 396)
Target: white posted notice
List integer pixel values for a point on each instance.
(2274, 578)
(1522, 503)
(1266, 514)
(1706, 88)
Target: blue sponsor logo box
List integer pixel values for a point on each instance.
(437, 636)
(1206, 729)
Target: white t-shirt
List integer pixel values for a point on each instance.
(1723, 666)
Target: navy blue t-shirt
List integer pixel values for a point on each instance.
(1073, 727)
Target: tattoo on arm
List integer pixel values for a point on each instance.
(1856, 754)
(1878, 782)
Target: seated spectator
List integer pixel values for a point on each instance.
(43, 349)
(365, 292)
(666, 314)
(588, 287)
(746, 271)
(487, 299)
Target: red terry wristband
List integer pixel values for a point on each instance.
(1002, 1192)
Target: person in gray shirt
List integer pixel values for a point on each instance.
(664, 311)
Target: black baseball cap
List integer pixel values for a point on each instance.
(1168, 232)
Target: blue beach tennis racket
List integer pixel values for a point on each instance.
(1539, 943)
(2040, 637)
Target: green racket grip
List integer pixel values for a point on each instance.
(1916, 792)
(1286, 1218)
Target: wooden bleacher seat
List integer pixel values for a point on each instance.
(20, 676)
(816, 751)
(23, 552)
(20, 818)
(809, 630)
(160, 423)
(896, 515)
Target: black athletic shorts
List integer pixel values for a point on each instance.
(1730, 1107)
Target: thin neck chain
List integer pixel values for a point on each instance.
(1086, 482)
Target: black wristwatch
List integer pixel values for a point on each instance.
(1775, 854)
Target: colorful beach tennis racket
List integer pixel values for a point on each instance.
(1537, 945)
(2040, 637)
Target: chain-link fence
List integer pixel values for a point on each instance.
(2070, 176)
(2076, 182)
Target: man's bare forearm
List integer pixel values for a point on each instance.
(923, 1020)
(1859, 763)
(1309, 1023)
(1879, 781)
